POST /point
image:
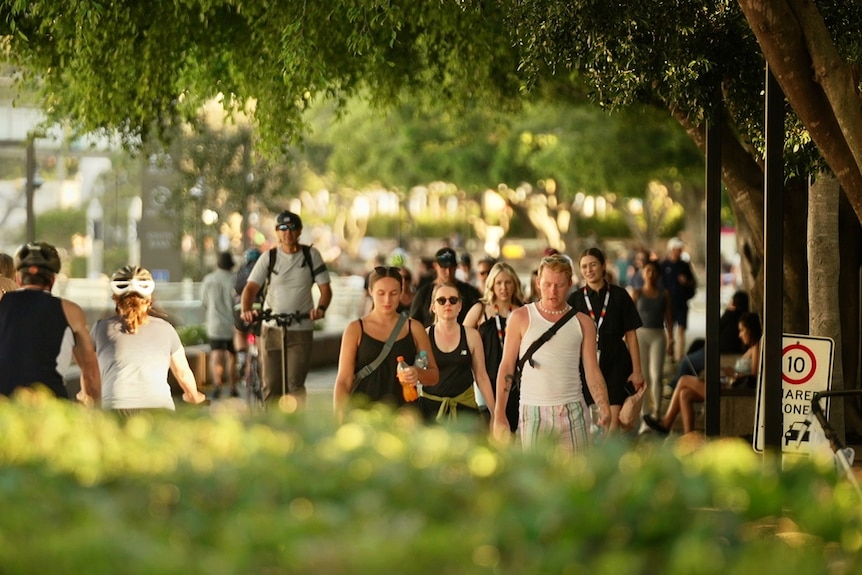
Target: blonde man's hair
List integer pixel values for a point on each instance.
(557, 263)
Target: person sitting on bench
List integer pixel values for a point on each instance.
(691, 389)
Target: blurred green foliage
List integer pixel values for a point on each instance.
(218, 492)
(192, 334)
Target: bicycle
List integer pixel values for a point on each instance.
(254, 387)
(843, 455)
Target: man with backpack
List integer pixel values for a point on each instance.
(287, 273)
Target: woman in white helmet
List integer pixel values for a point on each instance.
(136, 349)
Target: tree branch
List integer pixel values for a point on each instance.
(782, 41)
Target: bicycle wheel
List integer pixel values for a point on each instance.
(253, 387)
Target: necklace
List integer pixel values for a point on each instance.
(553, 312)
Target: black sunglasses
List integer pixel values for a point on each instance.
(452, 300)
(388, 271)
(285, 227)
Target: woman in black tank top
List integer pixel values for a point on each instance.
(364, 340)
(461, 358)
(502, 295)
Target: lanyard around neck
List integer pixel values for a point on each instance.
(593, 313)
(501, 333)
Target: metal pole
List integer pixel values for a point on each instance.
(713, 272)
(30, 189)
(773, 256)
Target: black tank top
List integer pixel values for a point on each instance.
(493, 346)
(32, 327)
(382, 384)
(456, 367)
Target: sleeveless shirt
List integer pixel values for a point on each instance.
(555, 378)
(382, 384)
(456, 367)
(35, 341)
(492, 345)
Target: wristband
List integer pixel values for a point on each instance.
(322, 308)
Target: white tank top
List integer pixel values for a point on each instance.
(555, 378)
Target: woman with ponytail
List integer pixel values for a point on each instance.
(136, 350)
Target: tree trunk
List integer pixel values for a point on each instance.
(823, 244)
(794, 42)
(796, 206)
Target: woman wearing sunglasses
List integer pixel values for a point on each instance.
(502, 296)
(365, 339)
(461, 358)
(135, 350)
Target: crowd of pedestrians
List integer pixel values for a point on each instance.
(459, 341)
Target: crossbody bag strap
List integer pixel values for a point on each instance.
(390, 341)
(543, 339)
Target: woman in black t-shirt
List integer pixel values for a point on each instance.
(617, 320)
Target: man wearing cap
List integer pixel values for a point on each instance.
(445, 264)
(293, 273)
(678, 279)
(217, 295)
(39, 333)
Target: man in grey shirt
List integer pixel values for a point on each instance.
(217, 297)
(295, 270)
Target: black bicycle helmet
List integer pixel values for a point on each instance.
(132, 279)
(41, 255)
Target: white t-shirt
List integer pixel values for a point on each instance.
(135, 366)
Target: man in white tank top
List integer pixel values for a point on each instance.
(552, 400)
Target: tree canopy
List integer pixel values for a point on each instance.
(139, 68)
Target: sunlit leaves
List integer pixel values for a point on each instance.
(217, 493)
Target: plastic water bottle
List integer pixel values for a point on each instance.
(421, 362)
(408, 390)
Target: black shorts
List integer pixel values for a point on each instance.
(226, 344)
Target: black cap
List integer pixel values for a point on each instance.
(446, 258)
(288, 221)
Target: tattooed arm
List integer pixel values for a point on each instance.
(515, 329)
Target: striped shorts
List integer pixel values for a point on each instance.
(565, 425)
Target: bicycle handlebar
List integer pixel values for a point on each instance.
(817, 411)
(282, 319)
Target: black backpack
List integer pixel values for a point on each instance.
(306, 253)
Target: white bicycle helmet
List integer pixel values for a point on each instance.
(133, 279)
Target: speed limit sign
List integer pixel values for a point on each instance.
(806, 368)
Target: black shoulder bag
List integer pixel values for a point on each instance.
(542, 340)
(387, 347)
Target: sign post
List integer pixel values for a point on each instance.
(806, 368)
